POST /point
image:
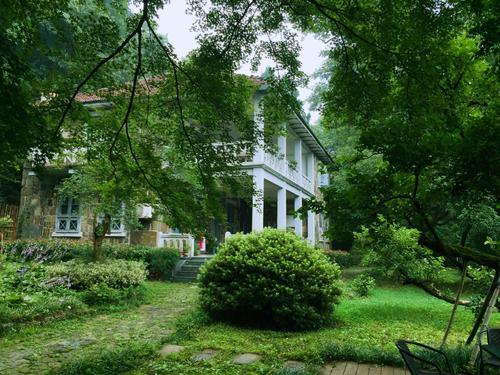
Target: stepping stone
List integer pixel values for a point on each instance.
(294, 365)
(246, 358)
(205, 355)
(170, 349)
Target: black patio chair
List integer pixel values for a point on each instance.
(415, 362)
(488, 359)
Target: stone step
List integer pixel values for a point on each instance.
(195, 262)
(191, 267)
(184, 279)
(186, 274)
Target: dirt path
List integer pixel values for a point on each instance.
(37, 350)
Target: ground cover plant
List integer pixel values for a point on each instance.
(270, 278)
(103, 341)
(43, 280)
(364, 330)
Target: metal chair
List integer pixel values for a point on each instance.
(488, 359)
(415, 362)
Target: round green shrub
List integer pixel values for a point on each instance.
(272, 279)
(342, 258)
(363, 284)
(161, 262)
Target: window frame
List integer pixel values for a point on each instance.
(68, 216)
(120, 232)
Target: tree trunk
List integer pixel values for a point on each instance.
(100, 230)
(455, 305)
(435, 292)
(458, 251)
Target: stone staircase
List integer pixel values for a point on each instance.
(187, 269)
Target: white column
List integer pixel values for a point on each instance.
(258, 200)
(298, 156)
(311, 227)
(258, 157)
(310, 166)
(282, 146)
(310, 170)
(297, 219)
(191, 245)
(281, 209)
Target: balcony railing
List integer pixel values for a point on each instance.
(282, 166)
(307, 184)
(242, 154)
(180, 241)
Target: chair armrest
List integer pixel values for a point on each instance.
(422, 360)
(435, 351)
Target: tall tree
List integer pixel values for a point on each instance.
(412, 86)
(44, 46)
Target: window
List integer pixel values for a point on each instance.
(324, 179)
(116, 225)
(68, 215)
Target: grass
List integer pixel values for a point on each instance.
(364, 330)
(110, 362)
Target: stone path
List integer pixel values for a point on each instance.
(338, 368)
(40, 349)
(46, 347)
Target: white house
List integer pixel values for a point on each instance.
(283, 180)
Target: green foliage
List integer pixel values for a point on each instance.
(272, 278)
(110, 362)
(41, 250)
(344, 259)
(117, 273)
(31, 291)
(363, 284)
(100, 294)
(188, 325)
(365, 331)
(159, 261)
(39, 307)
(41, 54)
(394, 251)
(5, 221)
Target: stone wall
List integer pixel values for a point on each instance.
(144, 237)
(38, 206)
(37, 209)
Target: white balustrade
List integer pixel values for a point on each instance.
(180, 241)
(282, 166)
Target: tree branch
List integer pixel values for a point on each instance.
(323, 10)
(99, 65)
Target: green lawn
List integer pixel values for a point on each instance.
(365, 330)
